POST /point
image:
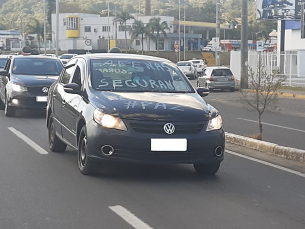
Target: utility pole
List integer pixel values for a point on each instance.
(217, 31)
(44, 26)
(184, 35)
(57, 27)
(179, 42)
(244, 45)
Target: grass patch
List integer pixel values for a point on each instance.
(293, 88)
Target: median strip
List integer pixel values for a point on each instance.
(266, 147)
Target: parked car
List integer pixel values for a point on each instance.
(25, 82)
(208, 48)
(132, 108)
(199, 65)
(217, 78)
(66, 57)
(188, 68)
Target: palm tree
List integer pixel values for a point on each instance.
(36, 27)
(158, 27)
(138, 28)
(122, 18)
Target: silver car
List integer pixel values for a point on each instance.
(200, 66)
(217, 78)
(188, 68)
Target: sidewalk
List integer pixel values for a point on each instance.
(289, 93)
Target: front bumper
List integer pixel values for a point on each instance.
(135, 146)
(26, 100)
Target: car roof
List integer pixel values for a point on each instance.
(34, 56)
(217, 67)
(187, 61)
(123, 56)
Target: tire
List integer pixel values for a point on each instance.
(8, 110)
(232, 89)
(55, 144)
(207, 169)
(86, 164)
(2, 106)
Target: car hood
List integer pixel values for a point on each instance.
(153, 106)
(33, 80)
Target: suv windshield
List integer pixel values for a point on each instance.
(37, 66)
(137, 75)
(2, 62)
(184, 64)
(66, 56)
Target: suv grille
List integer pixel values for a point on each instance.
(157, 127)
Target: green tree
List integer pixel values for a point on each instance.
(138, 29)
(157, 27)
(122, 18)
(36, 27)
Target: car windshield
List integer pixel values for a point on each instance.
(137, 75)
(37, 66)
(66, 56)
(2, 62)
(184, 64)
(196, 61)
(222, 72)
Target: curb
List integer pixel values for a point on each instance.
(266, 147)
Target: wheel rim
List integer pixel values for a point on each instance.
(83, 152)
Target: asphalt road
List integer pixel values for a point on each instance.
(40, 189)
(285, 126)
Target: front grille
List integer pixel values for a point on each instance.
(37, 90)
(158, 127)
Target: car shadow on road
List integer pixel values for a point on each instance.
(34, 114)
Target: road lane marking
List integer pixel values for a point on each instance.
(28, 141)
(267, 163)
(268, 124)
(130, 218)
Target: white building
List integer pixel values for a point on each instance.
(76, 28)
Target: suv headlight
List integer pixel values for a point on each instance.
(215, 123)
(108, 121)
(18, 88)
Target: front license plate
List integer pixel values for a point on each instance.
(41, 98)
(172, 144)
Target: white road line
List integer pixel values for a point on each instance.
(129, 217)
(266, 163)
(28, 141)
(288, 128)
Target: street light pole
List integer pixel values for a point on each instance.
(179, 35)
(244, 45)
(44, 26)
(217, 30)
(184, 35)
(108, 28)
(57, 27)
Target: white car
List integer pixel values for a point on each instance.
(199, 65)
(188, 68)
(207, 48)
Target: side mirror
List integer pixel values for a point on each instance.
(72, 88)
(3, 73)
(202, 91)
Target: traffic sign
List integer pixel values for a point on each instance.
(259, 46)
(88, 42)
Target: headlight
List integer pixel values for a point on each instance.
(108, 121)
(18, 88)
(215, 123)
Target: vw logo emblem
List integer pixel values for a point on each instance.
(45, 89)
(169, 128)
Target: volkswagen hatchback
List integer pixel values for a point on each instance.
(125, 107)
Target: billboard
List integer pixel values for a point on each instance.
(278, 9)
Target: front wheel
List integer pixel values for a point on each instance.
(55, 144)
(86, 164)
(207, 169)
(8, 110)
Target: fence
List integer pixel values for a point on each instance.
(291, 65)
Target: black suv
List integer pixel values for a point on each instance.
(25, 82)
(132, 108)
